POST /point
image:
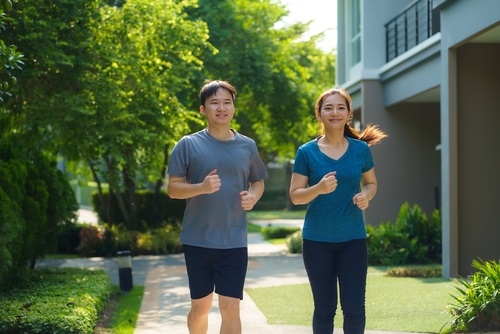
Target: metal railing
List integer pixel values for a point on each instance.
(414, 25)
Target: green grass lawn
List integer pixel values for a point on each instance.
(127, 312)
(280, 214)
(122, 312)
(392, 303)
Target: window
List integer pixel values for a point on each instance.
(354, 32)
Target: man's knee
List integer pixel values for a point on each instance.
(201, 306)
(229, 306)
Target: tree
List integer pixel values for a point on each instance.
(102, 83)
(143, 55)
(53, 35)
(278, 75)
(115, 83)
(10, 59)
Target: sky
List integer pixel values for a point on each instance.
(324, 16)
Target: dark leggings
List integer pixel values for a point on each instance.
(346, 262)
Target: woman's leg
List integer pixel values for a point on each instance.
(319, 261)
(352, 267)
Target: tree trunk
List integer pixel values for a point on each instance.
(159, 183)
(114, 188)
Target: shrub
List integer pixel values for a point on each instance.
(36, 199)
(477, 307)
(106, 240)
(426, 233)
(59, 301)
(413, 239)
(294, 243)
(387, 245)
(91, 241)
(154, 209)
(68, 238)
(271, 232)
(159, 241)
(417, 271)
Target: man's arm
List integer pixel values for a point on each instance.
(179, 188)
(251, 196)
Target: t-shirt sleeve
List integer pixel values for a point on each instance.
(258, 169)
(369, 164)
(178, 160)
(300, 165)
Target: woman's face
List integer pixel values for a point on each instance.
(334, 113)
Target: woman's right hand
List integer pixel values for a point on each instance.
(328, 183)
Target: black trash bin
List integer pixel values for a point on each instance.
(125, 270)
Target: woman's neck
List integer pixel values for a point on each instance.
(334, 139)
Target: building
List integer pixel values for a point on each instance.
(428, 72)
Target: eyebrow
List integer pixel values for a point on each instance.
(333, 104)
(215, 98)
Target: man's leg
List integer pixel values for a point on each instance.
(230, 313)
(229, 272)
(198, 315)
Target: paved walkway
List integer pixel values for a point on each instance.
(166, 296)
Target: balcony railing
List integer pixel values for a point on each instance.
(417, 23)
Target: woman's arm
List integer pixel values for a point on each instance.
(368, 190)
(300, 193)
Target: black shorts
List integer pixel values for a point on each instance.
(219, 270)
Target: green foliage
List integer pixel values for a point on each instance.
(153, 209)
(159, 241)
(387, 245)
(11, 60)
(106, 240)
(68, 238)
(278, 75)
(59, 301)
(477, 303)
(272, 200)
(416, 271)
(144, 54)
(277, 232)
(12, 224)
(36, 200)
(412, 239)
(114, 84)
(294, 243)
(413, 222)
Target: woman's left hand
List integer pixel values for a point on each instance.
(361, 200)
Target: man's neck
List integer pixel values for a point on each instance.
(224, 133)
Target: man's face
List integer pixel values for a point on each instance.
(219, 108)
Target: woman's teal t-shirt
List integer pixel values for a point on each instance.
(334, 217)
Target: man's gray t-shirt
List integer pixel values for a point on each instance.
(216, 220)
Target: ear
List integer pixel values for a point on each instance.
(318, 116)
(202, 109)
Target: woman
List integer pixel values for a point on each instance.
(334, 174)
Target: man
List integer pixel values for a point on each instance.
(221, 174)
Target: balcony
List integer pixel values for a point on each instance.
(414, 25)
